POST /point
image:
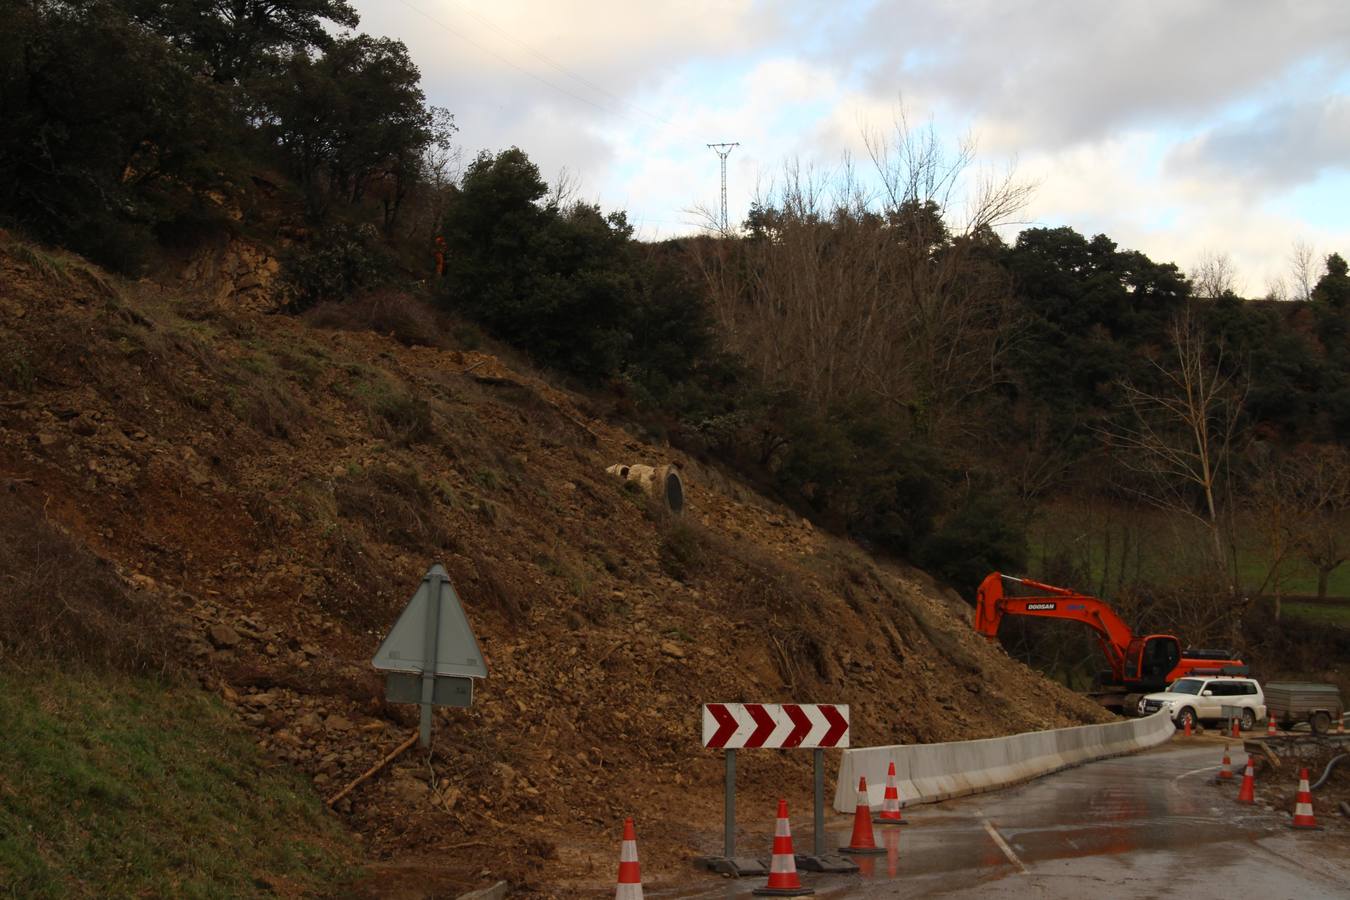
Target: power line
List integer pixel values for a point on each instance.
(609, 110)
(549, 61)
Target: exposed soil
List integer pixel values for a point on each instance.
(280, 490)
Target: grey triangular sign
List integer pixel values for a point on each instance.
(457, 652)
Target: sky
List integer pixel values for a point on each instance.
(1182, 128)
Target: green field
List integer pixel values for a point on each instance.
(1322, 613)
(1116, 546)
(117, 787)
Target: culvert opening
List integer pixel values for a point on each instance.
(674, 492)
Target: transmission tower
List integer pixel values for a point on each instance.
(723, 150)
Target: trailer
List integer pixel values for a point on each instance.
(1319, 705)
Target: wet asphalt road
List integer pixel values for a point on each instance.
(1149, 825)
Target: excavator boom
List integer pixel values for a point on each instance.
(1052, 602)
(1146, 661)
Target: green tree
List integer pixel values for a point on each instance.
(1093, 312)
(555, 282)
(107, 133)
(1333, 288)
(353, 121)
(238, 38)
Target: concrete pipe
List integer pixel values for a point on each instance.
(662, 482)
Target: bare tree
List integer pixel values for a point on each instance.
(1274, 517)
(1304, 269)
(846, 290)
(565, 189)
(1179, 432)
(1277, 289)
(439, 169)
(1215, 275)
(1318, 482)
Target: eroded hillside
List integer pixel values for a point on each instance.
(278, 490)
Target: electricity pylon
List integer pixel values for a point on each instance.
(724, 150)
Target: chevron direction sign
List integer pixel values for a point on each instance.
(731, 726)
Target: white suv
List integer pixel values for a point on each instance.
(1203, 699)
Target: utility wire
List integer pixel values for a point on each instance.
(524, 71)
(559, 67)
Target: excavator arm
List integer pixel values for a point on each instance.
(1048, 601)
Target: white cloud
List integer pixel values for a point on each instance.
(1174, 128)
(1284, 144)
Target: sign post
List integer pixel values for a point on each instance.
(731, 726)
(431, 655)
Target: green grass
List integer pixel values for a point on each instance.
(113, 786)
(1160, 548)
(1321, 613)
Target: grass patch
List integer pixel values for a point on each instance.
(1330, 613)
(60, 602)
(50, 268)
(1109, 546)
(114, 785)
(395, 505)
(16, 369)
(401, 316)
(683, 550)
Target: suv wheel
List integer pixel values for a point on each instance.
(1187, 714)
(1248, 719)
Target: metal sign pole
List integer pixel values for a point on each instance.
(730, 832)
(429, 656)
(819, 843)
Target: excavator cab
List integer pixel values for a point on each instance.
(1160, 655)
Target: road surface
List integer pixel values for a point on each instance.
(1148, 825)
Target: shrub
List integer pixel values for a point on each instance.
(856, 470)
(61, 604)
(395, 505)
(982, 535)
(682, 550)
(336, 263)
(394, 313)
(16, 369)
(406, 419)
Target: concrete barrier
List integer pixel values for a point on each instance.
(927, 773)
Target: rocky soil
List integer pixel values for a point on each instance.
(280, 490)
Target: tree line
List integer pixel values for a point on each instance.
(134, 122)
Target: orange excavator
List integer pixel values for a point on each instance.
(1139, 664)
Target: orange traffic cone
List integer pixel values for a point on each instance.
(1247, 793)
(862, 841)
(1270, 727)
(1225, 773)
(1340, 724)
(890, 803)
(1303, 811)
(630, 876)
(783, 880)
(1187, 725)
(1237, 733)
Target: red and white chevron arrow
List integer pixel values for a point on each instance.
(730, 726)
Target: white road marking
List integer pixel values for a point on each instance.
(1195, 772)
(1003, 845)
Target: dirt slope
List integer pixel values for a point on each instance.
(281, 489)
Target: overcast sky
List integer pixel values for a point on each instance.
(1177, 127)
